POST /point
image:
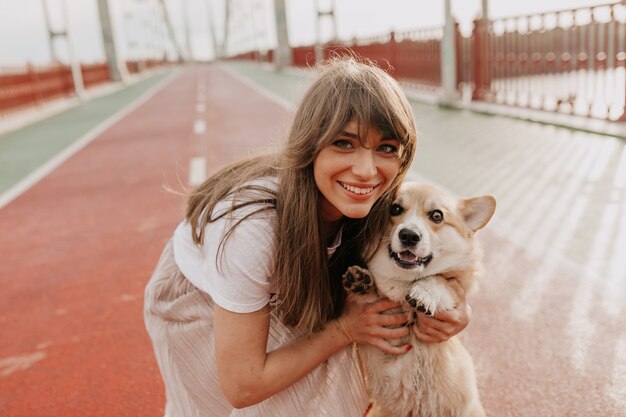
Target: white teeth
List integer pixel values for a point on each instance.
(357, 190)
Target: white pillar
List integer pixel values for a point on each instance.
(77, 75)
(448, 59)
(319, 53)
(170, 30)
(51, 34)
(211, 24)
(282, 55)
(187, 30)
(117, 69)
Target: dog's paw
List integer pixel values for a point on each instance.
(420, 301)
(357, 280)
(430, 295)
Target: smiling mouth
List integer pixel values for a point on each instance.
(408, 260)
(357, 190)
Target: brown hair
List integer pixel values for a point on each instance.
(346, 90)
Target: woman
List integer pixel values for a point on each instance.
(245, 308)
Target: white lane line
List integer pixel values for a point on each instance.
(53, 163)
(200, 107)
(197, 170)
(19, 363)
(199, 127)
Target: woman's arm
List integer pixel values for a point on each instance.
(249, 375)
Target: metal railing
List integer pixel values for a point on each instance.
(30, 86)
(413, 56)
(568, 61)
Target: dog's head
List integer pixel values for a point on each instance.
(431, 232)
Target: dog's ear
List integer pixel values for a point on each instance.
(477, 211)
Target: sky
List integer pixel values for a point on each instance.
(139, 34)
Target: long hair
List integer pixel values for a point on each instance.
(309, 285)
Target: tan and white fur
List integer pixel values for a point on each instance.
(430, 239)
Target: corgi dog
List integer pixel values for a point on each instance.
(430, 239)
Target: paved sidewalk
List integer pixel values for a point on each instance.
(548, 333)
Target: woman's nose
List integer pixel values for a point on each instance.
(364, 166)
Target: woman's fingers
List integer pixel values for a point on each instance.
(387, 347)
(392, 319)
(386, 333)
(434, 337)
(432, 330)
(438, 322)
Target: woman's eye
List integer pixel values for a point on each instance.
(436, 216)
(342, 144)
(396, 210)
(388, 149)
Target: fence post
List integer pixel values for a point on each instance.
(33, 79)
(393, 50)
(448, 59)
(481, 59)
(116, 69)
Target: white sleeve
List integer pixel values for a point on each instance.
(246, 261)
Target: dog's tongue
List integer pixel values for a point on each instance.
(407, 256)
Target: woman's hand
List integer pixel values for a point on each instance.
(442, 326)
(366, 323)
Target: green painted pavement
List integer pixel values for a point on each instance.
(24, 150)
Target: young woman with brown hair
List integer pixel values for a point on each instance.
(245, 309)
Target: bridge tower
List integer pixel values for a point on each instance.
(283, 56)
(322, 14)
(77, 75)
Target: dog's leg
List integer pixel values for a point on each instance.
(431, 294)
(359, 281)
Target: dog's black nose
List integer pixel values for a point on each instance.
(408, 237)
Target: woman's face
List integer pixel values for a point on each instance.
(352, 172)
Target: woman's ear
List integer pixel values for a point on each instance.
(477, 211)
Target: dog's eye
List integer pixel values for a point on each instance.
(436, 216)
(396, 210)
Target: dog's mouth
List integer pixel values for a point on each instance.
(408, 260)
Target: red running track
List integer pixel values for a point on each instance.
(79, 247)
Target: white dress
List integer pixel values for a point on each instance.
(178, 312)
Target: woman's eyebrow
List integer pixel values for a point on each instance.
(352, 135)
(349, 134)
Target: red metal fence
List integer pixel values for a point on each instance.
(29, 86)
(568, 61)
(413, 56)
